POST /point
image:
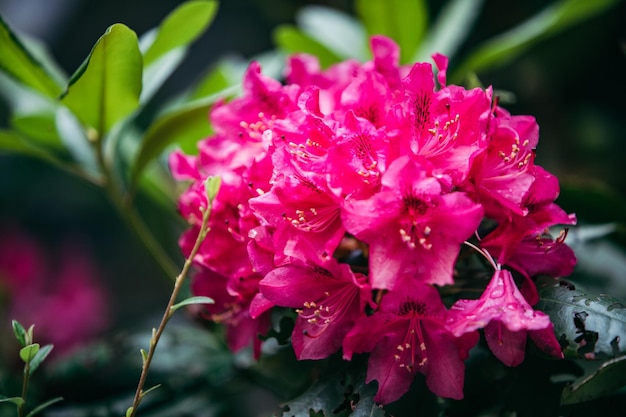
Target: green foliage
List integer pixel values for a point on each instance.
(610, 376)
(589, 326)
(404, 21)
(509, 45)
(106, 88)
(20, 63)
(190, 301)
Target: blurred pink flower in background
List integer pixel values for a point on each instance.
(56, 289)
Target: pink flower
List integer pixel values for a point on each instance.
(329, 300)
(405, 336)
(232, 302)
(413, 229)
(64, 298)
(506, 317)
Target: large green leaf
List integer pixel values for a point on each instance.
(187, 123)
(324, 395)
(293, 40)
(18, 62)
(337, 31)
(106, 88)
(404, 21)
(166, 46)
(181, 27)
(507, 46)
(453, 24)
(610, 376)
(587, 326)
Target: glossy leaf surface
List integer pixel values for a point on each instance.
(107, 86)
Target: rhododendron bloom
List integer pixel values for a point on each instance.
(504, 314)
(405, 336)
(412, 228)
(347, 194)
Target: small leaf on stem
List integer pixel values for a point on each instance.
(212, 186)
(27, 353)
(20, 332)
(14, 400)
(40, 356)
(44, 405)
(191, 300)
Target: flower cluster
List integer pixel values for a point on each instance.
(348, 193)
(61, 295)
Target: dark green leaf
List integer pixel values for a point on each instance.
(18, 330)
(293, 40)
(610, 376)
(18, 62)
(337, 31)
(43, 406)
(181, 27)
(189, 122)
(507, 46)
(404, 21)
(325, 395)
(191, 300)
(14, 400)
(587, 326)
(28, 352)
(453, 25)
(367, 407)
(106, 88)
(40, 356)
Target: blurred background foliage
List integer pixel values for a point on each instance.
(573, 82)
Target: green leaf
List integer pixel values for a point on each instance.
(43, 406)
(28, 352)
(453, 25)
(587, 326)
(508, 45)
(144, 393)
(40, 356)
(189, 122)
(337, 31)
(181, 27)
(169, 42)
(367, 407)
(191, 300)
(18, 62)
(212, 186)
(106, 88)
(325, 395)
(18, 329)
(15, 400)
(404, 21)
(610, 376)
(129, 411)
(293, 40)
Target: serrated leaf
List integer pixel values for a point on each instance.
(325, 395)
(610, 376)
(292, 40)
(403, 21)
(192, 300)
(510, 44)
(19, 63)
(339, 32)
(43, 406)
(453, 25)
(188, 122)
(28, 352)
(18, 330)
(15, 400)
(106, 88)
(367, 407)
(40, 356)
(587, 326)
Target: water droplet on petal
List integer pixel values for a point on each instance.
(470, 316)
(497, 292)
(512, 306)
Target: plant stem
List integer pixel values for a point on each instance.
(167, 314)
(20, 408)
